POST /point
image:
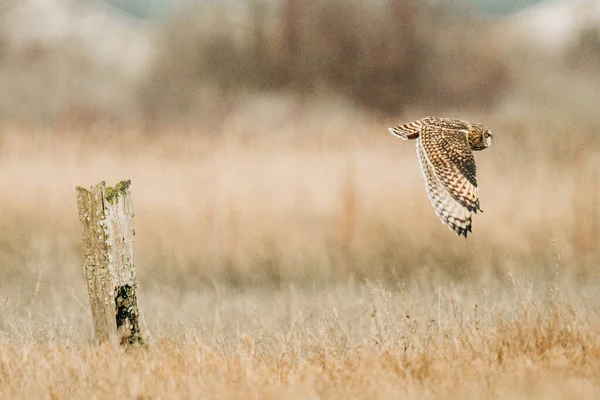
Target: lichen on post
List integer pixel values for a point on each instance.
(106, 216)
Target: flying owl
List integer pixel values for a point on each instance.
(445, 150)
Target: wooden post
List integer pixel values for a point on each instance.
(106, 216)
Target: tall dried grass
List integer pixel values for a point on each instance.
(293, 253)
(311, 199)
(352, 340)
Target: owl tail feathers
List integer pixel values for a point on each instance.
(408, 131)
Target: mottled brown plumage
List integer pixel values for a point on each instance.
(445, 150)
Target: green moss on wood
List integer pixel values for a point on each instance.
(127, 313)
(112, 193)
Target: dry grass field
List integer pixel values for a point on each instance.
(285, 246)
(294, 254)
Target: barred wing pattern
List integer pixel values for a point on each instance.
(408, 131)
(451, 212)
(453, 164)
(445, 150)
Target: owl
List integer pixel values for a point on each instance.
(445, 151)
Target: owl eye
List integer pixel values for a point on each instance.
(486, 134)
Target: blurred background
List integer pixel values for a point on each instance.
(255, 136)
(165, 63)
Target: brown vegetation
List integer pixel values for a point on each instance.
(353, 342)
(301, 258)
(385, 57)
(285, 246)
(308, 199)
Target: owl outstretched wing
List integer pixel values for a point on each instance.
(451, 158)
(452, 213)
(408, 131)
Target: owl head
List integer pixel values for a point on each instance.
(480, 137)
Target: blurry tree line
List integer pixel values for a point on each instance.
(585, 55)
(384, 56)
(72, 63)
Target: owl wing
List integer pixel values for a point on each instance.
(452, 213)
(453, 163)
(407, 131)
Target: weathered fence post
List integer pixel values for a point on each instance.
(106, 216)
